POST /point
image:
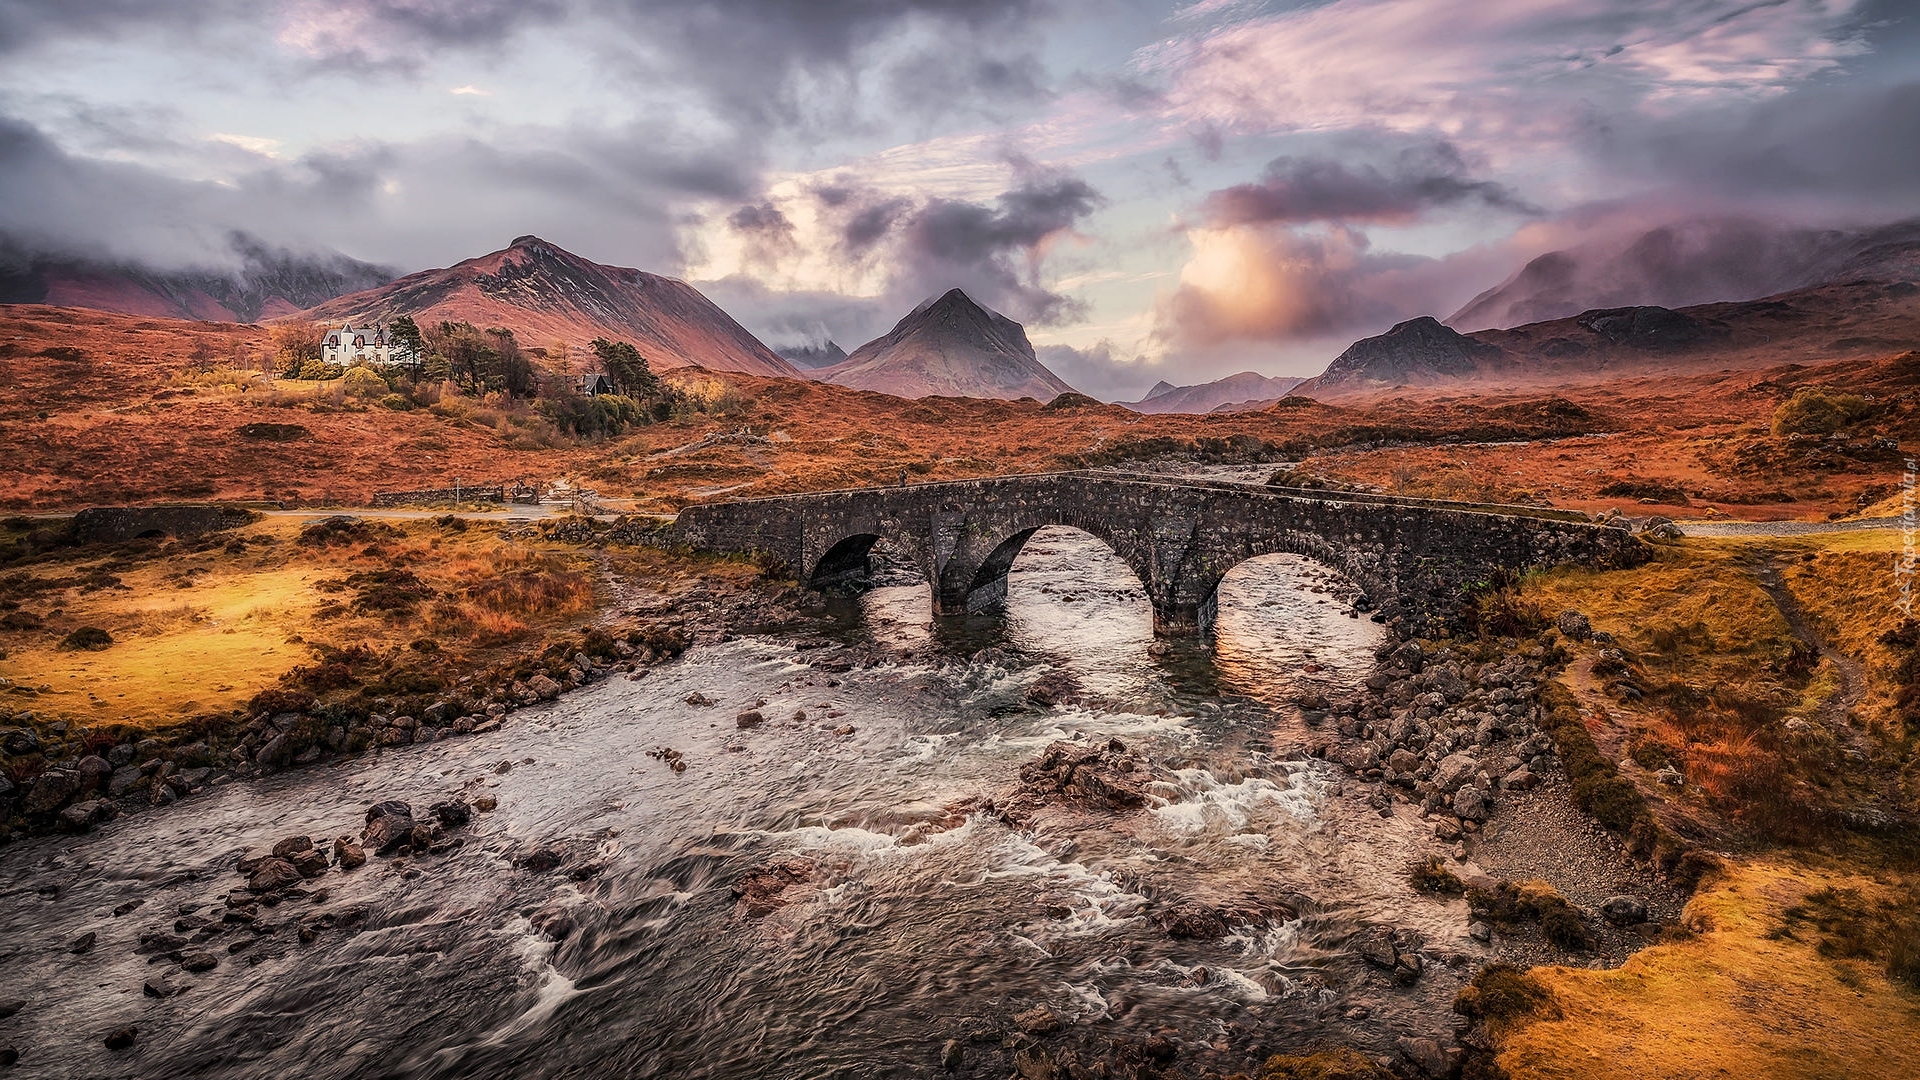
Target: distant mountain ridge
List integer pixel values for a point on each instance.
(1693, 263)
(1221, 395)
(544, 293)
(1848, 320)
(267, 282)
(950, 346)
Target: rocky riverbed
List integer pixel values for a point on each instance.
(867, 845)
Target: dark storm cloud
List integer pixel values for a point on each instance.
(993, 252)
(1300, 189)
(28, 22)
(765, 231)
(1853, 148)
(391, 200)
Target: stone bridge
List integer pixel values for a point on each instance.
(1414, 559)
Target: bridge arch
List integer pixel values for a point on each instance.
(848, 559)
(970, 582)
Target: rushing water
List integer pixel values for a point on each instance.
(921, 925)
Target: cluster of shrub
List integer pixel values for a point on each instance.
(491, 367)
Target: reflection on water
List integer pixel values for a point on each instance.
(911, 932)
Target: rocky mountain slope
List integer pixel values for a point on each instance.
(263, 283)
(950, 347)
(1247, 388)
(1858, 319)
(544, 293)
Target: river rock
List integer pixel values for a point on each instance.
(159, 986)
(1624, 910)
(389, 824)
(1109, 775)
(452, 814)
(1038, 1020)
(1375, 946)
(1427, 1055)
(760, 892)
(543, 687)
(311, 863)
(951, 1055)
(291, 846)
(83, 944)
(1188, 919)
(751, 718)
(199, 961)
(50, 792)
(83, 816)
(272, 751)
(122, 1038)
(90, 772)
(1053, 687)
(273, 874)
(10, 1006)
(19, 742)
(348, 853)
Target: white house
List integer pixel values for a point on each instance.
(347, 345)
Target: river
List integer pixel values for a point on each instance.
(923, 922)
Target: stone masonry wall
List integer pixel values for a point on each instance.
(1414, 562)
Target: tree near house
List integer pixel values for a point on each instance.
(295, 345)
(515, 372)
(405, 343)
(627, 368)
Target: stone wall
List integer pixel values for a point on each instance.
(1415, 562)
(114, 524)
(438, 496)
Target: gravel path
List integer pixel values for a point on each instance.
(1783, 528)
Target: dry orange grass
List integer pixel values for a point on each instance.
(1739, 999)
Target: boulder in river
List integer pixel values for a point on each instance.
(389, 824)
(1105, 774)
(760, 892)
(348, 853)
(83, 944)
(1038, 1020)
(122, 1038)
(291, 846)
(273, 874)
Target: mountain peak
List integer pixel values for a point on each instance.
(950, 346)
(544, 293)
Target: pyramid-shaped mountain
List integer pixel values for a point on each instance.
(544, 294)
(950, 347)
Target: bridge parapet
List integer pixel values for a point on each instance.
(1415, 561)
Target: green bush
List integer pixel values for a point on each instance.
(1818, 410)
(364, 383)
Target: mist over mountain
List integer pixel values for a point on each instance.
(1689, 263)
(1246, 387)
(263, 282)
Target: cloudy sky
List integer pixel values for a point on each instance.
(1163, 189)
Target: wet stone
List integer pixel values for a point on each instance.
(122, 1038)
(273, 874)
(83, 944)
